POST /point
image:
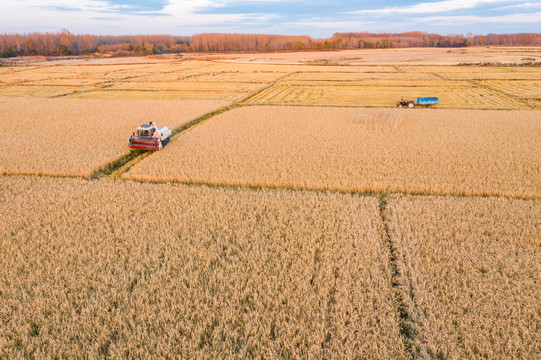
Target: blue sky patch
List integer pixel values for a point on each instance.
(318, 18)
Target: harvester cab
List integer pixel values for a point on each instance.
(150, 137)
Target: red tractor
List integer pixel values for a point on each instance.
(403, 103)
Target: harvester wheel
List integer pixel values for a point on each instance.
(410, 105)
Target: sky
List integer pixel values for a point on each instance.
(317, 18)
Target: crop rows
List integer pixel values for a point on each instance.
(470, 273)
(357, 76)
(102, 269)
(370, 94)
(77, 137)
(365, 150)
(525, 89)
(307, 84)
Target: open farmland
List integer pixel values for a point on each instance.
(378, 95)
(368, 150)
(353, 84)
(459, 87)
(471, 274)
(295, 214)
(77, 137)
(234, 273)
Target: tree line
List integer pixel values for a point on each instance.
(66, 43)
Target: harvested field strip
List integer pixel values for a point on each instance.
(201, 95)
(519, 88)
(526, 75)
(451, 97)
(358, 150)
(67, 82)
(231, 273)
(472, 268)
(515, 98)
(356, 76)
(525, 92)
(182, 86)
(41, 91)
(381, 82)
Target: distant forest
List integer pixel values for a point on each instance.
(66, 43)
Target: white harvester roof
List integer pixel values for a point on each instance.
(145, 127)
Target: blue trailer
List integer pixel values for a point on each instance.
(426, 101)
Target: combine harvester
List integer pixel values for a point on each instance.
(426, 101)
(150, 137)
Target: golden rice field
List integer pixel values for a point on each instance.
(471, 274)
(366, 150)
(337, 228)
(222, 273)
(77, 137)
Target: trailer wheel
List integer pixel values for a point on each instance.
(410, 105)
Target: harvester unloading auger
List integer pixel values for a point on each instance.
(150, 137)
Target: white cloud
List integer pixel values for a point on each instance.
(474, 19)
(526, 5)
(430, 7)
(99, 17)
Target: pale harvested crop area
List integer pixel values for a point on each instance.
(98, 268)
(356, 85)
(471, 274)
(385, 94)
(77, 137)
(369, 150)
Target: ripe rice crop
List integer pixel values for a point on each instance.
(366, 150)
(471, 272)
(97, 269)
(76, 137)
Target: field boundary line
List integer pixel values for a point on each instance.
(379, 107)
(14, 173)
(263, 88)
(130, 160)
(403, 295)
(366, 191)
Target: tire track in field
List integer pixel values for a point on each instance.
(404, 297)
